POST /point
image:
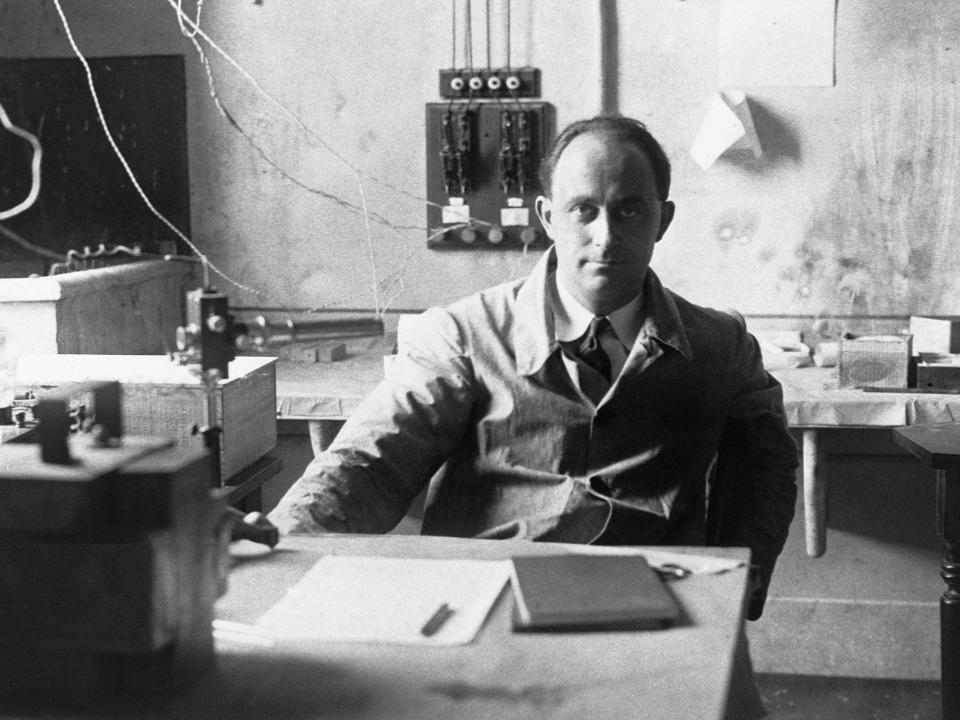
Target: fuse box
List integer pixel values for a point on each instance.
(483, 157)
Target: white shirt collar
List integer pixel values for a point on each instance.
(571, 318)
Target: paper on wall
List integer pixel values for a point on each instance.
(776, 43)
(728, 125)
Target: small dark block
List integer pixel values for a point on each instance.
(937, 444)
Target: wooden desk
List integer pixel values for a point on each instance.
(676, 674)
(684, 672)
(939, 447)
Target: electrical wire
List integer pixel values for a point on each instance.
(229, 117)
(453, 35)
(27, 245)
(31, 197)
(508, 35)
(468, 36)
(487, 11)
(181, 17)
(126, 166)
(196, 23)
(303, 126)
(191, 29)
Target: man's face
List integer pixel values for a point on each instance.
(604, 219)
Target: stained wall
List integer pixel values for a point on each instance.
(849, 211)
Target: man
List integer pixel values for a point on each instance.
(584, 404)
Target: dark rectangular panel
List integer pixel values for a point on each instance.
(86, 197)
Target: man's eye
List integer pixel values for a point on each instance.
(581, 211)
(630, 212)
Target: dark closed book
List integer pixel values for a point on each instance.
(589, 592)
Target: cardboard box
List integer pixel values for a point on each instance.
(875, 361)
(163, 399)
(935, 334)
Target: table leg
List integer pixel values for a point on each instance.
(322, 433)
(814, 494)
(948, 525)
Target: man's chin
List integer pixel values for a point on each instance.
(605, 296)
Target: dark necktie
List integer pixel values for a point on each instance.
(591, 351)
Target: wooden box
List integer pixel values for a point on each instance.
(938, 372)
(133, 308)
(111, 566)
(163, 399)
(875, 361)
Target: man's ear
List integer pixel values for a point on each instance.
(544, 208)
(667, 208)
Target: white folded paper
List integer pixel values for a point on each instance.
(728, 125)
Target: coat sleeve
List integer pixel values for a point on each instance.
(753, 491)
(390, 447)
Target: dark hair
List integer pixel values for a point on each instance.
(631, 130)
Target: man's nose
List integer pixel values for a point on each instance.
(603, 231)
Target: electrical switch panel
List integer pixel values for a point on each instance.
(483, 157)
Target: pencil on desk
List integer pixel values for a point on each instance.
(437, 620)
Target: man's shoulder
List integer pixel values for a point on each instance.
(724, 317)
(707, 325)
(499, 298)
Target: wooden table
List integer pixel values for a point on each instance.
(687, 671)
(684, 672)
(325, 393)
(816, 407)
(939, 447)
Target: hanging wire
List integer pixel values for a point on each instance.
(301, 124)
(123, 161)
(196, 23)
(31, 197)
(487, 11)
(469, 36)
(228, 116)
(191, 29)
(508, 36)
(453, 35)
(27, 245)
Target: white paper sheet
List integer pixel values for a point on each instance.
(728, 125)
(776, 43)
(388, 600)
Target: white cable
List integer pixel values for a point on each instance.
(34, 166)
(299, 122)
(181, 17)
(126, 166)
(196, 25)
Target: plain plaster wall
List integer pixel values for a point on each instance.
(850, 210)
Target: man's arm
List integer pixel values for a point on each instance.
(753, 496)
(391, 446)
